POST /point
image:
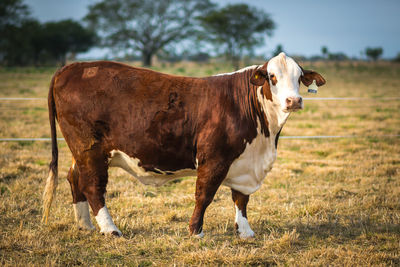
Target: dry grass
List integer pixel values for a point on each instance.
(326, 202)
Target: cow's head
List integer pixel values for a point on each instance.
(281, 77)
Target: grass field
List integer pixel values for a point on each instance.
(325, 202)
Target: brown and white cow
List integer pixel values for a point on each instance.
(160, 127)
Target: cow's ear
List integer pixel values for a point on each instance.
(258, 78)
(260, 75)
(308, 76)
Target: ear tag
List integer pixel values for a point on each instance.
(256, 76)
(313, 88)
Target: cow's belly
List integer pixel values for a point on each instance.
(247, 172)
(131, 165)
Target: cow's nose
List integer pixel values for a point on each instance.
(293, 103)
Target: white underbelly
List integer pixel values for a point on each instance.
(247, 173)
(131, 165)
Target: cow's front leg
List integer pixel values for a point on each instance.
(208, 181)
(241, 223)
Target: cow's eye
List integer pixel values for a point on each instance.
(272, 78)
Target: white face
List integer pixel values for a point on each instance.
(284, 79)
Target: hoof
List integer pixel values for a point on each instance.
(116, 233)
(86, 227)
(246, 235)
(200, 235)
(112, 233)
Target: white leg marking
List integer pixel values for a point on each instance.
(243, 225)
(201, 235)
(82, 216)
(106, 223)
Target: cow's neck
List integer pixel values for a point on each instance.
(275, 117)
(266, 115)
(245, 95)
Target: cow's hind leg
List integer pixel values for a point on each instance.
(241, 223)
(80, 204)
(93, 182)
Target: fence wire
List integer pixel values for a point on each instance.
(281, 137)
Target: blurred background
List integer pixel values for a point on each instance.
(48, 32)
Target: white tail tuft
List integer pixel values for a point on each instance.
(48, 194)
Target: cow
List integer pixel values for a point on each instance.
(224, 129)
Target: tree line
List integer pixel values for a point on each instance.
(135, 28)
(370, 53)
(26, 41)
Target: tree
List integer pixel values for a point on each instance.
(278, 50)
(325, 51)
(145, 26)
(373, 52)
(237, 28)
(66, 36)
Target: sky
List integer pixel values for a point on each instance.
(303, 26)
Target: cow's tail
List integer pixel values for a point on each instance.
(52, 180)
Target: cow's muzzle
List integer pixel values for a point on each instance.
(294, 103)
